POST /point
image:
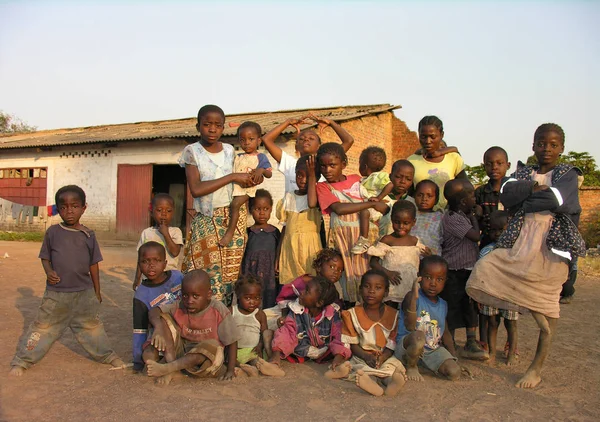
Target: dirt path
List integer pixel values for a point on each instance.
(66, 385)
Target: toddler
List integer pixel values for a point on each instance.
(252, 162)
(428, 226)
(162, 208)
(401, 176)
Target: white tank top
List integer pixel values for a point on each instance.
(248, 328)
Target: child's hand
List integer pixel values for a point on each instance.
(311, 165)
(52, 277)
(374, 199)
(478, 211)
(257, 176)
(538, 188)
(426, 251)
(135, 285)
(297, 122)
(243, 179)
(158, 341)
(322, 123)
(381, 207)
(337, 361)
(280, 321)
(394, 277)
(371, 360)
(227, 376)
(163, 228)
(99, 296)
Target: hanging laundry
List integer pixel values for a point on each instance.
(27, 212)
(36, 211)
(16, 211)
(6, 208)
(54, 210)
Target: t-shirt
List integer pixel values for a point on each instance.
(220, 197)
(428, 228)
(287, 166)
(350, 188)
(151, 234)
(440, 173)
(72, 252)
(460, 252)
(375, 182)
(431, 320)
(213, 323)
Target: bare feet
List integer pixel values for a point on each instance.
(268, 368)
(341, 371)
(414, 375)
(396, 383)
(117, 363)
(164, 380)
(511, 359)
(249, 370)
(226, 239)
(531, 379)
(16, 371)
(492, 360)
(156, 369)
(368, 384)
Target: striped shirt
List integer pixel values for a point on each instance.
(460, 252)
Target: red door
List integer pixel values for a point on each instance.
(134, 186)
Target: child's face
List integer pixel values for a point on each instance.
(496, 230)
(307, 143)
(402, 223)
(373, 290)
(331, 167)
(261, 210)
(70, 208)
(250, 298)
(548, 147)
(433, 279)
(430, 138)
(162, 211)
(195, 295)
(332, 269)
(310, 296)
(402, 179)
(425, 197)
(152, 263)
(249, 140)
(302, 179)
(211, 127)
(496, 165)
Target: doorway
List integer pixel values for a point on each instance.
(170, 179)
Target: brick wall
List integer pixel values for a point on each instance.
(589, 198)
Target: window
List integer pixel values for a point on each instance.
(26, 186)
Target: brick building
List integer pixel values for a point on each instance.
(120, 165)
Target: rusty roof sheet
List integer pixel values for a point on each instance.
(181, 128)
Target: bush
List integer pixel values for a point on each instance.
(591, 231)
(22, 236)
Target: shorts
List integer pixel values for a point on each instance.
(462, 310)
(431, 359)
(491, 311)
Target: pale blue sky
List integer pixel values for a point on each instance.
(492, 72)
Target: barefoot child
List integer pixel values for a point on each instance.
(342, 198)
(530, 263)
(252, 162)
(397, 255)
(428, 227)
(299, 213)
(422, 326)
(312, 329)
(377, 186)
(369, 331)
(401, 176)
(162, 208)
(159, 288)
(263, 244)
(70, 255)
(251, 322)
(196, 334)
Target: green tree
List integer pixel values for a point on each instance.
(582, 160)
(12, 124)
(476, 174)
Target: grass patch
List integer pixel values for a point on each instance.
(22, 236)
(590, 265)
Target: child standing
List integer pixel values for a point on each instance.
(402, 175)
(312, 329)
(432, 165)
(263, 242)
(377, 186)
(342, 197)
(530, 263)
(459, 248)
(369, 331)
(299, 213)
(251, 322)
(197, 334)
(70, 255)
(422, 325)
(397, 255)
(162, 208)
(428, 227)
(159, 288)
(252, 162)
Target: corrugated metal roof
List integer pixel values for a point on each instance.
(181, 128)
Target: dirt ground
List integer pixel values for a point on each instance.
(67, 385)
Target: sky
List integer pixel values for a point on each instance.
(492, 71)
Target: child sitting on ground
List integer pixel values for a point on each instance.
(251, 161)
(397, 255)
(498, 223)
(459, 248)
(401, 176)
(159, 288)
(196, 334)
(377, 186)
(251, 322)
(70, 255)
(369, 331)
(313, 329)
(422, 326)
(162, 208)
(428, 227)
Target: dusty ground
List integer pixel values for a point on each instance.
(66, 385)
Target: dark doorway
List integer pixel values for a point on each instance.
(170, 178)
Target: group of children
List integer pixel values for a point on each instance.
(386, 293)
